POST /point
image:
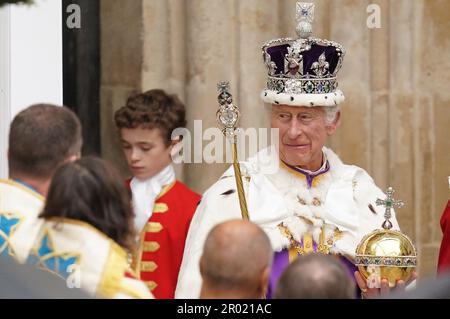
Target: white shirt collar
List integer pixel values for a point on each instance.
(144, 194)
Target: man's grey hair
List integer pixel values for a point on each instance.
(331, 113)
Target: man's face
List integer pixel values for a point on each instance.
(303, 133)
(145, 150)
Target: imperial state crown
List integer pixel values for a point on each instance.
(303, 71)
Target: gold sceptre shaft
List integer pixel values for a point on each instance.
(228, 118)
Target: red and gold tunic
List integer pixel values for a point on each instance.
(158, 259)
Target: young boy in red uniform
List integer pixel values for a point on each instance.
(163, 206)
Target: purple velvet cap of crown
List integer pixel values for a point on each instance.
(303, 72)
(278, 53)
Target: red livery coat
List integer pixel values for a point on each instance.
(158, 259)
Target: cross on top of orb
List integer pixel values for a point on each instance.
(389, 202)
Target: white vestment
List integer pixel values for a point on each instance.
(87, 259)
(340, 203)
(20, 207)
(73, 250)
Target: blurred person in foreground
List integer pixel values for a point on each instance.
(87, 235)
(236, 262)
(316, 276)
(42, 137)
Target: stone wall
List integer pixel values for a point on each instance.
(395, 78)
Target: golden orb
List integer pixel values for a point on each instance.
(385, 253)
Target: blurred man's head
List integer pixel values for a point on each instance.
(236, 261)
(41, 138)
(316, 276)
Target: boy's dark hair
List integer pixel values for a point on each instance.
(152, 109)
(41, 138)
(92, 191)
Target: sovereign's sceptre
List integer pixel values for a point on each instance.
(228, 119)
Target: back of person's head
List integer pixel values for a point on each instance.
(150, 110)
(316, 276)
(92, 191)
(42, 137)
(237, 257)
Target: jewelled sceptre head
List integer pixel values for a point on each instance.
(228, 118)
(227, 114)
(386, 253)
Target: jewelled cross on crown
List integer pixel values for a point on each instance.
(304, 18)
(389, 203)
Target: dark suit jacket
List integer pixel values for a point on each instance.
(28, 282)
